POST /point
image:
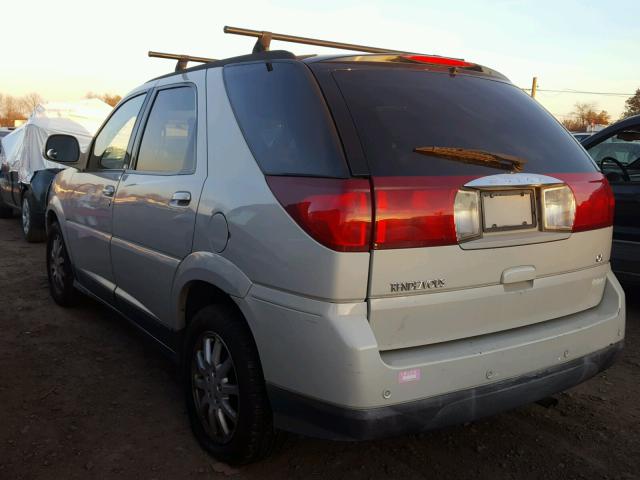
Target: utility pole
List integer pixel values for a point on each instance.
(534, 86)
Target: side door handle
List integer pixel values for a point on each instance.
(180, 199)
(109, 191)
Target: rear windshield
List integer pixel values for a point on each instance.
(285, 120)
(399, 110)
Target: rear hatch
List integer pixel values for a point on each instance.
(486, 214)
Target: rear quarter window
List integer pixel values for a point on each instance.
(284, 119)
(397, 110)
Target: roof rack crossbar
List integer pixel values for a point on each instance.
(264, 39)
(182, 59)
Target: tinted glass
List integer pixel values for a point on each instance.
(169, 138)
(396, 111)
(619, 157)
(110, 148)
(284, 119)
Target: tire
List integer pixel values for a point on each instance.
(59, 269)
(251, 436)
(32, 231)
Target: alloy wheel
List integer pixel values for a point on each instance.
(26, 216)
(56, 262)
(214, 386)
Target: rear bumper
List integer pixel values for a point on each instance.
(311, 417)
(327, 376)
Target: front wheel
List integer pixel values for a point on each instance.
(225, 390)
(59, 269)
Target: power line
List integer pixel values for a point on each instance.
(611, 94)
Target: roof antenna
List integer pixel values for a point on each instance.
(263, 43)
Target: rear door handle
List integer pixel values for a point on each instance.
(180, 199)
(108, 190)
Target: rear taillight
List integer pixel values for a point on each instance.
(413, 212)
(594, 200)
(335, 212)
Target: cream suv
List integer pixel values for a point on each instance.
(347, 247)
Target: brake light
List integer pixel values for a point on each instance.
(434, 59)
(413, 212)
(335, 212)
(594, 200)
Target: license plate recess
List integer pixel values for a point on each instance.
(508, 210)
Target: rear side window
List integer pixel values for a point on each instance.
(284, 119)
(398, 110)
(169, 138)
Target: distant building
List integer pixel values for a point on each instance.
(595, 127)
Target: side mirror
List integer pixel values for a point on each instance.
(62, 149)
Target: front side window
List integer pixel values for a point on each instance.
(110, 148)
(169, 139)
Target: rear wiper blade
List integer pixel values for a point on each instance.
(475, 157)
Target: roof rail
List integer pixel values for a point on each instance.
(182, 59)
(264, 40)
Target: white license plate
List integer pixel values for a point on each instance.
(507, 210)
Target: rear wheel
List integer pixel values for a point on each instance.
(59, 269)
(33, 232)
(225, 391)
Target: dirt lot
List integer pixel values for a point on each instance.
(82, 395)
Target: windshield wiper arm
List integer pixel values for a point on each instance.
(475, 157)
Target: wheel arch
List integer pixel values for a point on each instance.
(54, 213)
(204, 278)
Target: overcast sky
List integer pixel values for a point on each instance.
(63, 49)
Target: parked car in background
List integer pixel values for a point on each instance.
(581, 135)
(3, 133)
(348, 247)
(25, 174)
(616, 150)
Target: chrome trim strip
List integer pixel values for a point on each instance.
(513, 180)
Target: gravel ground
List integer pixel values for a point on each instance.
(83, 395)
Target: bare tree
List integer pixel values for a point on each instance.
(109, 98)
(585, 115)
(11, 109)
(31, 101)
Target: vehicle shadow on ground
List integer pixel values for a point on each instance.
(83, 393)
(529, 442)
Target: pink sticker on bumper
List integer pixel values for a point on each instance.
(407, 376)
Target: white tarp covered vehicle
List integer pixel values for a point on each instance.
(25, 174)
(23, 149)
